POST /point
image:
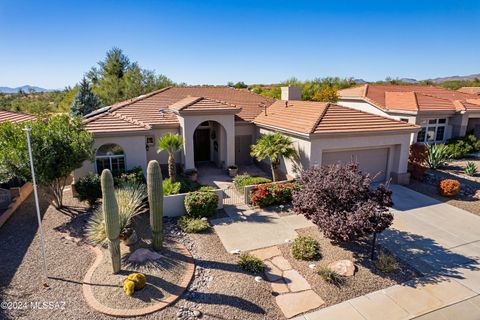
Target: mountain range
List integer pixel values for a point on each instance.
(26, 88)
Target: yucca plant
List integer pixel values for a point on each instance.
(470, 169)
(437, 155)
(130, 199)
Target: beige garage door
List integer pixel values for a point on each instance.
(373, 161)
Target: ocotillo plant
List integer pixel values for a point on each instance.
(112, 223)
(155, 202)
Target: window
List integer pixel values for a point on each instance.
(110, 156)
(433, 130)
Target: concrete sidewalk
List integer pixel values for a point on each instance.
(442, 242)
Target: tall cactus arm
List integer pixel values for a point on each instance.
(155, 201)
(112, 223)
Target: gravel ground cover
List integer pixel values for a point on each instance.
(219, 290)
(469, 204)
(367, 277)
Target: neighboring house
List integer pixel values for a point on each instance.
(219, 125)
(14, 117)
(470, 90)
(441, 113)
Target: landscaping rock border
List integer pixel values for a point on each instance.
(124, 313)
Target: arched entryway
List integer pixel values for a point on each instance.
(209, 143)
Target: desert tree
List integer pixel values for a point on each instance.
(342, 202)
(60, 145)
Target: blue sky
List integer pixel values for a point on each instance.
(53, 43)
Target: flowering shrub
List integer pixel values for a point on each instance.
(270, 194)
(449, 187)
(201, 204)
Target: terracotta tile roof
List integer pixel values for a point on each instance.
(111, 122)
(401, 97)
(15, 117)
(146, 109)
(470, 90)
(307, 117)
(201, 104)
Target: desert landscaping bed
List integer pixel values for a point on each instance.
(219, 290)
(367, 277)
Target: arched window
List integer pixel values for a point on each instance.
(110, 156)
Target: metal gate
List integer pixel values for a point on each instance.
(232, 197)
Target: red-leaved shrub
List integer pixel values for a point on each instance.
(341, 201)
(269, 194)
(417, 161)
(449, 187)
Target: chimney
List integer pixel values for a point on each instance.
(292, 93)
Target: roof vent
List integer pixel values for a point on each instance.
(162, 111)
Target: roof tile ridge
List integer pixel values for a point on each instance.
(195, 100)
(223, 102)
(320, 117)
(131, 120)
(416, 100)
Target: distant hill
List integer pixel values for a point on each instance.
(26, 88)
(456, 78)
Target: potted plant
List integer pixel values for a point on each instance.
(192, 174)
(232, 170)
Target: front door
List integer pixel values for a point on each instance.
(201, 141)
(242, 149)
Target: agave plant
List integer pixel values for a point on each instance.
(437, 155)
(130, 199)
(471, 169)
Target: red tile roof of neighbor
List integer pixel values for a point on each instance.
(413, 98)
(15, 117)
(142, 112)
(308, 117)
(470, 90)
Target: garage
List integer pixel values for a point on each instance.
(372, 161)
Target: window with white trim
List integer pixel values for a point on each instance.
(433, 130)
(110, 156)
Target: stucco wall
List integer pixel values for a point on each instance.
(173, 206)
(363, 106)
(242, 129)
(133, 146)
(287, 166)
(161, 157)
(398, 143)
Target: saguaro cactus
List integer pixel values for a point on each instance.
(155, 202)
(112, 223)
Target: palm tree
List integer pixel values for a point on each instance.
(274, 146)
(172, 143)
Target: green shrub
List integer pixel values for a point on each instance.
(460, 147)
(330, 276)
(437, 155)
(170, 188)
(192, 225)
(305, 248)
(132, 176)
(386, 263)
(470, 169)
(250, 263)
(242, 180)
(201, 204)
(207, 188)
(188, 185)
(88, 188)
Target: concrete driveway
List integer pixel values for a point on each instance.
(440, 241)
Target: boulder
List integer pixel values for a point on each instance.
(141, 255)
(345, 268)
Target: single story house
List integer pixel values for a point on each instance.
(441, 113)
(219, 125)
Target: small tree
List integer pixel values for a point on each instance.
(274, 146)
(340, 200)
(326, 93)
(60, 144)
(172, 143)
(85, 100)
